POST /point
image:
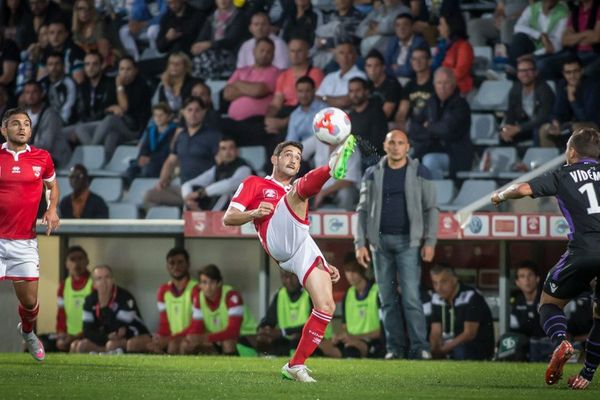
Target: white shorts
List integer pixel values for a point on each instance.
(19, 260)
(290, 244)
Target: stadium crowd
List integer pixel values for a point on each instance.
(194, 83)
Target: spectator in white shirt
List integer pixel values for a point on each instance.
(260, 27)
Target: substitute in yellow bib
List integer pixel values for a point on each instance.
(220, 318)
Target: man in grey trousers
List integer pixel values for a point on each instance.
(397, 216)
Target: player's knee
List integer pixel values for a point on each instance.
(328, 307)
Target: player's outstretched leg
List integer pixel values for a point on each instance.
(340, 157)
(592, 358)
(554, 323)
(26, 292)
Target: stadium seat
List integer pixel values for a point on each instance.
(215, 89)
(470, 191)
(483, 59)
(255, 156)
(492, 96)
(534, 157)
(119, 162)
(502, 160)
(64, 186)
(110, 189)
(163, 212)
(438, 164)
(90, 156)
(484, 130)
(138, 189)
(445, 191)
(122, 211)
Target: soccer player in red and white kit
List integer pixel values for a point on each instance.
(24, 172)
(279, 209)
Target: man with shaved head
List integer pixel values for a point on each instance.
(397, 216)
(445, 125)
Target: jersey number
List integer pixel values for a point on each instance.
(589, 190)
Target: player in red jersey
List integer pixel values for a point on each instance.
(279, 210)
(23, 168)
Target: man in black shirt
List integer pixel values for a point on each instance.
(179, 27)
(384, 88)
(417, 91)
(60, 89)
(461, 323)
(576, 187)
(82, 202)
(369, 122)
(59, 42)
(111, 319)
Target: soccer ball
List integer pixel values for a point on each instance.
(332, 126)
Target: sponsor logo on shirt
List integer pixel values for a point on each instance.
(16, 169)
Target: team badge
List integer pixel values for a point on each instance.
(37, 170)
(270, 193)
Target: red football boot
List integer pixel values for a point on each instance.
(561, 355)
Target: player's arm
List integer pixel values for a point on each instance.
(468, 334)
(516, 191)
(235, 217)
(435, 338)
(50, 217)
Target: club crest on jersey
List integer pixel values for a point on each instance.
(37, 170)
(270, 194)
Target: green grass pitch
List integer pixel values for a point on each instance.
(201, 378)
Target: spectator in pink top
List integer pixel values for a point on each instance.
(250, 91)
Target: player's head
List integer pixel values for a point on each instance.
(286, 158)
(527, 278)
(210, 280)
(178, 263)
(102, 276)
(354, 272)
(444, 280)
(16, 126)
(289, 281)
(396, 145)
(76, 261)
(583, 143)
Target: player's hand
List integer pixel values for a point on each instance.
(427, 253)
(51, 219)
(496, 198)
(363, 257)
(334, 273)
(264, 209)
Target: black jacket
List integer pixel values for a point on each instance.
(105, 95)
(189, 24)
(95, 207)
(542, 108)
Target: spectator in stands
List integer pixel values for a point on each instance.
(280, 329)
(260, 27)
(462, 327)
(427, 16)
(59, 88)
(59, 42)
(125, 119)
(14, 18)
(250, 91)
(221, 321)
(300, 20)
(417, 91)
(338, 27)
(369, 122)
(82, 203)
(30, 60)
(334, 88)
(90, 32)
(577, 99)
(482, 31)
(530, 103)
(45, 124)
(383, 88)
(395, 229)
(360, 336)
(42, 13)
(216, 46)
(174, 301)
(454, 51)
(179, 27)
(9, 60)
(175, 82)
(446, 126)
(203, 91)
(285, 101)
(377, 28)
(94, 96)
(399, 50)
(300, 126)
(111, 320)
(3, 100)
(524, 315)
(212, 190)
(155, 144)
(71, 296)
(143, 25)
(539, 30)
(194, 149)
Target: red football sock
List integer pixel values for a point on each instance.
(28, 317)
(311, 183)
(312, 334)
